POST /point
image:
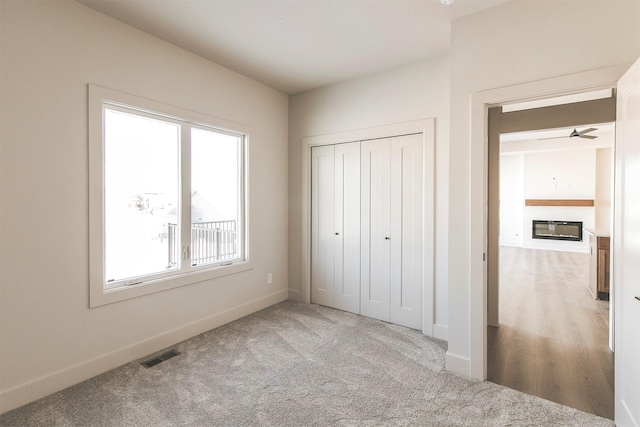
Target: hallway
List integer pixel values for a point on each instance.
(553, 336)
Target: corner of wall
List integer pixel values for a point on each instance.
(296, 295)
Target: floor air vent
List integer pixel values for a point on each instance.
(156, 360)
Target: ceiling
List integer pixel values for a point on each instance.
(298, 45)
(557, 139)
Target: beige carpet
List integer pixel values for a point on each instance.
(296, 364)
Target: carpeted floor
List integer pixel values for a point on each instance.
(296, 364)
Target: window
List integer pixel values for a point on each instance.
(167, 197)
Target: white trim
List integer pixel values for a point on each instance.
(623, 417)
(441, 332)
(427, 128)
(455, 363)
(626, 393)
(480, 102)
(51, 383)
(98, 97)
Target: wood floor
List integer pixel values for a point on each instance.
(552, 341)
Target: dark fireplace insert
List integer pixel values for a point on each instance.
(557, 230)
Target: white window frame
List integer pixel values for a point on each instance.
(100, 293)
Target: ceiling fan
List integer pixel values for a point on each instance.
(582, 134)
(576, 134)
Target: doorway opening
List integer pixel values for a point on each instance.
(549, 328)
(625, 78)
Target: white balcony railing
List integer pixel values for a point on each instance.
(212, 241)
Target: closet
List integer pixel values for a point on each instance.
(367, 228)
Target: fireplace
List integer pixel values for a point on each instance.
(557, 230)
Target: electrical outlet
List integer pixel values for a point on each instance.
(269, 279)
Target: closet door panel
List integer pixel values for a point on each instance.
(406, 231)
(347, 226)
(322, 225)
(375, 228)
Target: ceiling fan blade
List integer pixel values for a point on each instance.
(582, 132)
(588, 136)
(553, 137)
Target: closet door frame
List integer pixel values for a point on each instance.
(426, 127)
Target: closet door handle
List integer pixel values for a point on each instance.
(337, 234)
(638, 298)
(387, 238)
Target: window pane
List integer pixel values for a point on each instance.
(141, 195)
(215, 197)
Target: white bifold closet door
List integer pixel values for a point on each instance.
(407, 231)
(322, 225)
(366, 228)
(335, 226)
(375, 229)
(392, 230)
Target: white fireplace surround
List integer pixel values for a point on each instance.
(569, 175)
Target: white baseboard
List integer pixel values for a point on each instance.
(457, 364)
(56, 381)
(441, 332)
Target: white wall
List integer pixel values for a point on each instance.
(560, 174)
(604, 181)
(404, 94)
(569, 174)
(50, 338)
(513, 43)
(511, 199)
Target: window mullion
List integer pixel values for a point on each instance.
(185, 197)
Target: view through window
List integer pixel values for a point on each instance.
(173, 195)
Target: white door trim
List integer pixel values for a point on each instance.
(624, 279)
(480, 102)
(427, 128)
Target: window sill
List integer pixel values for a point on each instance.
(100, 296)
